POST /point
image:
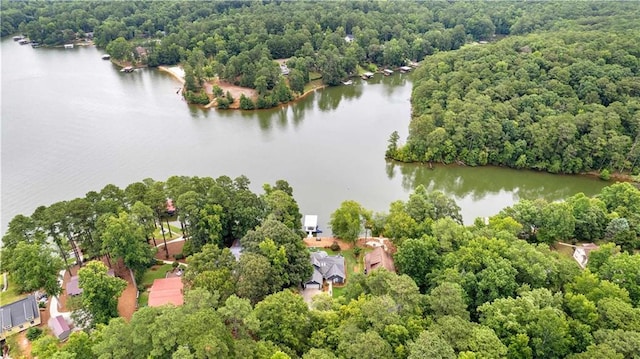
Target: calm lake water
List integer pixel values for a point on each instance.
(72, 123)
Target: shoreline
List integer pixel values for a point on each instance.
(615, 177)
(171, 71)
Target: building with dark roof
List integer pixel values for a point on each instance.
(19, 315)
(326, 267)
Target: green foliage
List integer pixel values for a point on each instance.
(518, 103)
(32, 267)
(605, 175)
(283, 320)
(246, 103)
(198, 98)
(348, 221)
(100, 292)
(223, 103)
(34, 333)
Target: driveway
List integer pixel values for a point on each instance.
(309, 293)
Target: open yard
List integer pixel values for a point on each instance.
(153, 273)
(352, 264)
(11, 295)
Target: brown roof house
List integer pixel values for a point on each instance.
(166, 291)
(59, 327)
(325, 267)
(378, 258)
(19, 315)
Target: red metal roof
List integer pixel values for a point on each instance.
(166, 291)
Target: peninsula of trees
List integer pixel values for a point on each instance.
(495, 289)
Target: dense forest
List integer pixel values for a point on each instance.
(561, 102)
(495, 289)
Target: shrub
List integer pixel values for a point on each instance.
(605, 175)
(246, 103)
(34, 333)
(187, 249)
(357, 251)
(199, 98)
(335, 246)
(229, 97)
(175, 264)
(178, 256)
(223, 103)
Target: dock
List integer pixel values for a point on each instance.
(367, 75)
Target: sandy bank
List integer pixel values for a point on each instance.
(175, 71)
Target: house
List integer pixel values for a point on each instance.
(349, 38)
(73, 285)
(325, 267)
(59, 327)
(166, 291)
(581, 253)
(19, 315)
(378, 258)
(141, 52)
(170, 208)
(284, 69)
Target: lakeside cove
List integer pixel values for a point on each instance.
(328, 145)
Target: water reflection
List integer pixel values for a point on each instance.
(479, 182)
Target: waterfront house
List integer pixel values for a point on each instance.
(326, 267)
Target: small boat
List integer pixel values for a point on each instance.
(68, 46)
(35, 45)
(106, 57)
(23, 41)
(18, 38)
(350, 82)
(127, 69)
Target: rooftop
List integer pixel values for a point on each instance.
(166, 291)
(378, 258)
(19, 312)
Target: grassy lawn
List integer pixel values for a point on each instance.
(143, 299)
(153, 273)
(564, 250)
(352, 265)
(312, 85)
(314, 75)
(11, 295)
(175, 232)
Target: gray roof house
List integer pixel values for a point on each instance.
(19, 315)
(325, 267)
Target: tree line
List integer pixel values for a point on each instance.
(238, 40)
(492, 289)
(564, 101)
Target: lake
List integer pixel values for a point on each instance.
(72, 123)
